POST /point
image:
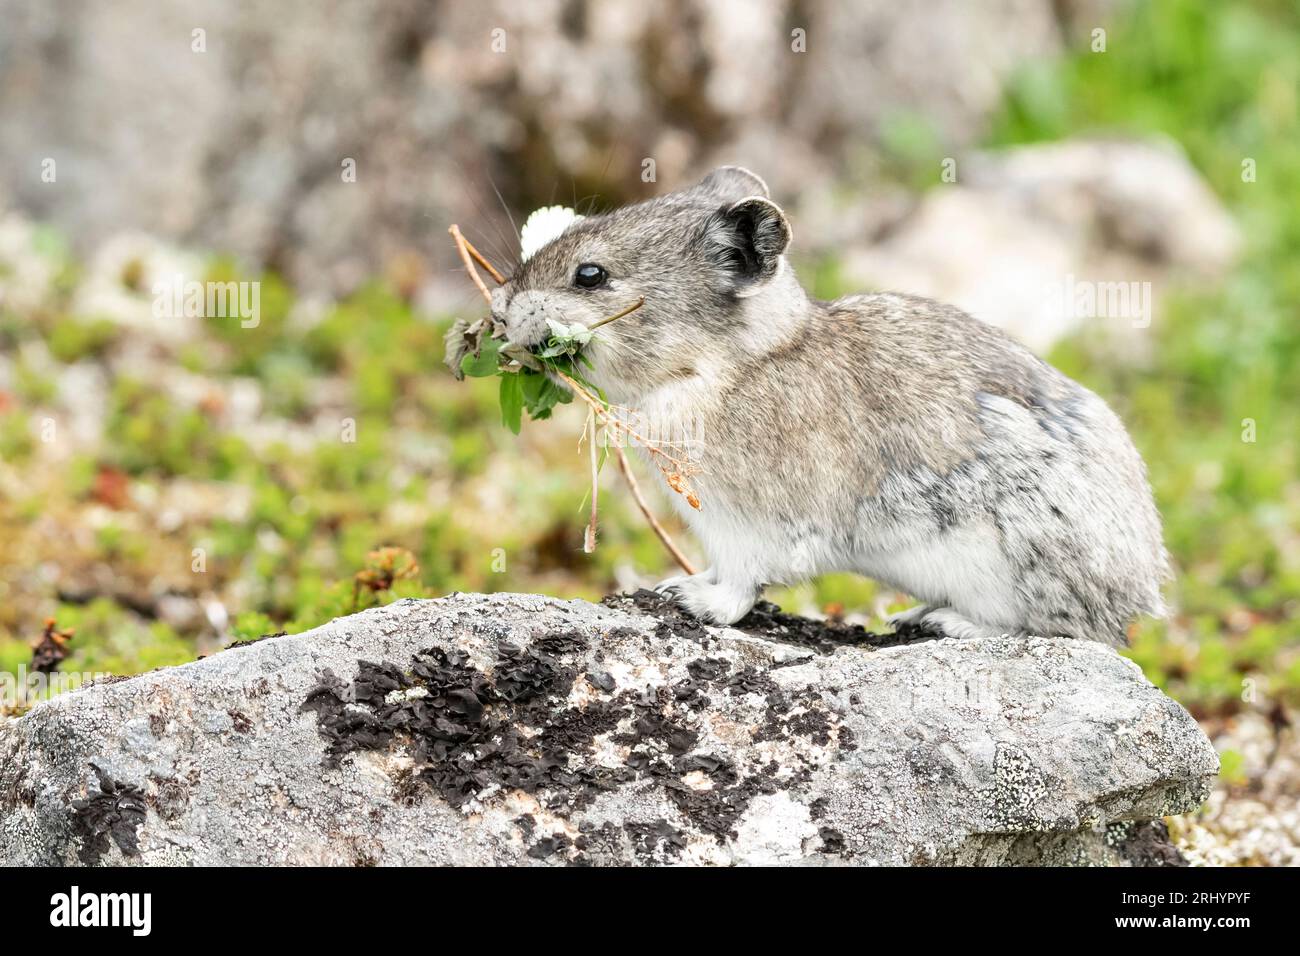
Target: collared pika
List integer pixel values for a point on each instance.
(887, 435)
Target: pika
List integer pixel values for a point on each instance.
(882, 434)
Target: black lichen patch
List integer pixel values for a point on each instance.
(832, 840)
(750, 680)
(662, 750)
(470, 734)
(117, 810)
(673, 621)
(660, 838)
(346, 727)
(548, 846)
(655, 725)
(718, 810)
(570, 642)
(524, 675)
(769, 622)
(253, 640)
(708, 669)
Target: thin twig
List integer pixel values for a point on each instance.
(462, 246)
(658, 529)
(598, 412)
(589, 541)
(478, 257)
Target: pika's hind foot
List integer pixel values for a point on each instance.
(908, 618)
(945, 621)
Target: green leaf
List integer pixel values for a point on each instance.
(512, 401)
(483, 364)
(541, 394)
(535, 393)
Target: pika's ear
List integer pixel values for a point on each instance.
(731, 183)
(746, 239)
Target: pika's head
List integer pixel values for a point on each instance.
(696, 257)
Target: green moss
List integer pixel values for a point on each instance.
(250, 625)
(1232, 768)
(72, 339)
(109, 639)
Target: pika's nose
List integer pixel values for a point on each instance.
(523, 315)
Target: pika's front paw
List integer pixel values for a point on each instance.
(713, 602)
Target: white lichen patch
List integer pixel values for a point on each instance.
(698, 780)
(581, 693)
(773, 830)
(706, 851)
(796, 677)
(513, 804)
(377, 765)
(729, 732)
(605, 753)
(410, 693)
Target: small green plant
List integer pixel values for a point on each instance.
(477, 350)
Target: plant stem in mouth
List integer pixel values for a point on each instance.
(631, 308)
(589, 540)
(601, 414)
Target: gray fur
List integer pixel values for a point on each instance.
(884, 434)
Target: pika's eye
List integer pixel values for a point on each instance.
(589, 276)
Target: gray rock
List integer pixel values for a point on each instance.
(1026, 234)
(519, 729)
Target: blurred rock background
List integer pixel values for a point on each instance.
(169, 484)
(239, 147)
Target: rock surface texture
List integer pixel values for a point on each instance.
(518, 729)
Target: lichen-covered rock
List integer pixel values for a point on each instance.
(508, 729)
